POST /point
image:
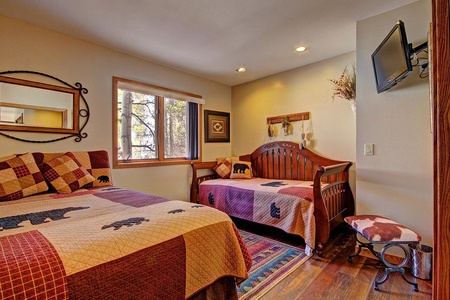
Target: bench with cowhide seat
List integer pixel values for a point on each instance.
(380, 230)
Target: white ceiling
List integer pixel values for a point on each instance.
(210, 38)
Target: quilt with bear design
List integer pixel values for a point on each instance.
(285, 204)
(112, 243)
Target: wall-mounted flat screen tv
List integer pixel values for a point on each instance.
(391, 60)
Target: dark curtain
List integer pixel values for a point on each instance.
(193, 140)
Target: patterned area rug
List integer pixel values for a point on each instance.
(272, 262)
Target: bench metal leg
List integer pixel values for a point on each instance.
(360, 246)
(389, 267)
(386, 276)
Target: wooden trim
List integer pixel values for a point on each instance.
(36, 84)
(160, 127)
(440, 78)
(292, 118)
(115, 146)
(26, 106)
(125, 82)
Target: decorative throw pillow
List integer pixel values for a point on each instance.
(95, 162)
(66, 174)
(20, 177)
(241, 170)
(223, 169)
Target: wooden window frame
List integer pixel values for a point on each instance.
(160, 161)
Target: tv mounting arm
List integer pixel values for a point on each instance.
(413, 52)
(418, 49)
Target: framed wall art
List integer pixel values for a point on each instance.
(217, 126)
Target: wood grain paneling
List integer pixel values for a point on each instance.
(440, 87)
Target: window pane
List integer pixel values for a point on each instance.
(175, 128)
(137, 138)
(155, 125)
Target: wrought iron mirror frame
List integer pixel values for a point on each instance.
(83, 113)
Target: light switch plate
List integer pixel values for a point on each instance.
(368, 149)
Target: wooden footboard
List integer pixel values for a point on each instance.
(333, 198)
(332, 202)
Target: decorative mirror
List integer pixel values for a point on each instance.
(38, 106)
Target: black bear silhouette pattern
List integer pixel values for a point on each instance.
(128, 222)
(240, 168)
(274, 184)
(111, 189)
(176, 211)
(211, 199)
(36, 218)
(274, 211)
(103, 178)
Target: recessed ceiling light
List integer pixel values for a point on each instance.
(300, 49)
(241, 70)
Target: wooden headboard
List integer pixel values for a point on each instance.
(288, 160)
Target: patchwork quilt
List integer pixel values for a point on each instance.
(286, 204)
(111, 243)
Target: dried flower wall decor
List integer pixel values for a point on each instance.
(345, 87)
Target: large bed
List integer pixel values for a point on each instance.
(280, 184)
(99, 241)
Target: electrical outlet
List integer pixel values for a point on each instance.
(368, 149)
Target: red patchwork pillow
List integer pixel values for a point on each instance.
(66, 174)
(95, 162)
(224, 168)
(20, 177)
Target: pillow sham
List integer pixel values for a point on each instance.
(20, 177)
(66, 174)
(95, 162)
(241, 170)
(223, 169)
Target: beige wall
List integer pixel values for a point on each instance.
(397, 181)
(306, 89)
(27, 47)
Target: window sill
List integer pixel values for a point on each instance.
(144, 164)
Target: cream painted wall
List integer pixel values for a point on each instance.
(27, 47)
(397, 181)
(305, 89)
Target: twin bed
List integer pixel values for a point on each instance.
(279, 184)
(87, 239)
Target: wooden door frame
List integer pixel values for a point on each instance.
(440, 95)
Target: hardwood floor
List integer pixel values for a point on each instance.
(333, 277)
